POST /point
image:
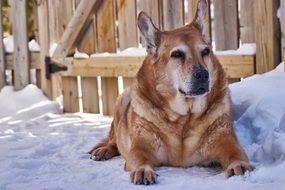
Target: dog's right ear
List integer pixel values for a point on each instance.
(150, 33)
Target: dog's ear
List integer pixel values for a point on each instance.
(150, 33)
(200, 17)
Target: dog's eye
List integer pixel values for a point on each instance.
(178, 54)
(205, 52)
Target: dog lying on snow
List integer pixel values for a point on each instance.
(178, 110)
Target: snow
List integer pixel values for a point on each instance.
(9, 45)
(41, 148)
(244, 49)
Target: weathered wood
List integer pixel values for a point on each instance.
(282, 23)
(128, 34)
(2, 52)
(44, 44)
(21, 54)
(78, 23)
(90, 97)
(173, 14)
(88, 43)
(33, 64)
(237, 66)
(226, 24)
(192, 7)
(58, 19)
(151, 7)
(267, 36)
(70, 94)
(247, 26)
(106, 41)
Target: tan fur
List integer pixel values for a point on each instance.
(155, 125)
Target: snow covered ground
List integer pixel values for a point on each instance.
(41, 148)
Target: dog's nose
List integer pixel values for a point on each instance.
(201, 75)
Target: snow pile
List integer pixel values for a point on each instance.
(40, 148)
(244, 49)
(259, 112)
(9, 45)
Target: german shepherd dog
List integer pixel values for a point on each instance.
(177, 112)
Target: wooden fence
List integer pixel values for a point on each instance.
(94, 26)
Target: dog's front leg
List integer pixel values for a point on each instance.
(141, 161)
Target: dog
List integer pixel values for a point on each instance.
(177, 112)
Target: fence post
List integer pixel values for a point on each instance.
(226, 24)
(247, 26)
(282, 22)
(2, 52)
(267, 36)
(21, 52)
(173, 14)
(128, 33)
(43, 24)
(106, 41)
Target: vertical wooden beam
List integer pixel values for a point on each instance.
(173, 14)
(90, 97)
(247, 26)
(192, 8)
(44, 44)
(267, 35)
(2, 52)
(127, 28)
(226, 24)
(20, 35)
(106, 41)
(151, 7)
(89, 85)
(282, 23)
(70, 94)
(58, 21)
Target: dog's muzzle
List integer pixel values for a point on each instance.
(200, 82)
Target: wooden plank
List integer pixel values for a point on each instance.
(2, 52)
(78, 23)
(151, 7)
(266, 32)
(173, 14)
(237, 66)
(247, 26)
(226, 24)
(70, 94)
(44, 44)
(127, 28)
(58, 19)
(33, 57)
(106, 41)
(282, 23)
(89, 86)
(90, 95)
(20, 36)
(192, 7)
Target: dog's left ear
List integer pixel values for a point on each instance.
(200, 17)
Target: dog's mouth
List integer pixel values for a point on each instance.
(196, 92)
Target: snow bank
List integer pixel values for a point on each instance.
(43, 149)
(259, 112)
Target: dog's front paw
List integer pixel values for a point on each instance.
(238, 168)
(103, 153)
(143, 175)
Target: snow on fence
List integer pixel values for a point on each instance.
(99, 26)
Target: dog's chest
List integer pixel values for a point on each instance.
(183, 151)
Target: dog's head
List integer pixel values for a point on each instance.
(181, 57)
